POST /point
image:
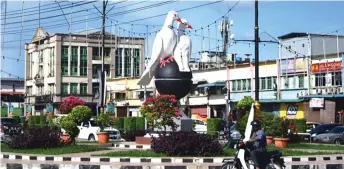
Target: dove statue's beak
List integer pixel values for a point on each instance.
(189, 26)
(179, 20)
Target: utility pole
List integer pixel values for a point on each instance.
(102, 83)
(256, 52)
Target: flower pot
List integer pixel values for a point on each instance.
(66, 138)
(269, 139)
(103, 137)
(281, 142)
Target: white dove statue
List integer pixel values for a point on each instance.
(183, 49)
(163, 47)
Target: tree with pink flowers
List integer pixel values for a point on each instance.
(160, 110)
(68, 103)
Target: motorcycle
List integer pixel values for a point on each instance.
(242, 159)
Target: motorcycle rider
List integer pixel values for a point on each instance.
(258, 141)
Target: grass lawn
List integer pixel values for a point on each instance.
(225, 153)
(53, 151)
(316, 146)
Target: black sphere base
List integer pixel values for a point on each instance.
(169, 80)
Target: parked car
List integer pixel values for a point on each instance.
(311, 126)
(89, 130)
(9, 126)
(200, 126)
(321, 129)
(336, 136)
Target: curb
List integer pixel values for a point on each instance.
(156, 159)
(126, 146)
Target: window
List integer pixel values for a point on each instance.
(239, 85)
(29, 90)
(96, 52)
(95, 88)
(320, 79)
(127, 62)
(73, 88)
(269, 83)
(107, 52)
(64, 88)
(249, 84)
(301, 81)
(83, 61)
(244, 84)
(337, 78)
(40, 71)
(52, 61)
(263, 83)
(118, 62)
(137, 62)
(64, 61)
(74, 62)
(40, 90)
(274, 83)
(234, 85)
(83, 88)
(51, 88)
(41, 56)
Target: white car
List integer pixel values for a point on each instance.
(200, 126)
(89, 130)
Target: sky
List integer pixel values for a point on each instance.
(275, 17)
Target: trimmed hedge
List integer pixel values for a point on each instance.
(130, 123)
(119, 123)
(16, 118)
(213, 125)
(140, 123)
(300, 124)
(42, 121)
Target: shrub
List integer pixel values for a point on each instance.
(241, 124)
(68, 103)
(52, 126)
(23, 122)
(36, 120)
(131, 135)
(119, 123)
(159, 110)
(103, 120)
(245, 103)
(278, 128)
(42, 121)
(81, 113)
(35, 138)
(70, 127)
(267, 123)
(16, 118)
(184, 143)
(300, 124)
(129, 123)
(31, 122)
(213, 125)
(140, 123)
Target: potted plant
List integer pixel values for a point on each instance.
(71, 129)
(268, 126)
(281, 140)
(103, 120)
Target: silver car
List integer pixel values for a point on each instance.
(336, 136)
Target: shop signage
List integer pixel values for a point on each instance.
(288, 66)
(316, 103)
(291, 111)
(10, 110)
(327, 66)
(110, 107)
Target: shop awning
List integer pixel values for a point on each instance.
(281, 101)
(220, 84)
(322, 96)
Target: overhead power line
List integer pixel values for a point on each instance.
(10, 74)
(81, 21)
